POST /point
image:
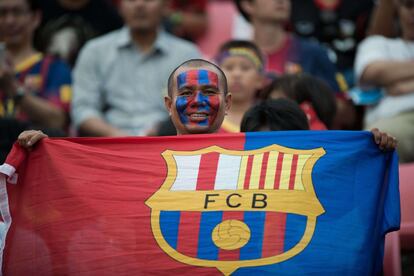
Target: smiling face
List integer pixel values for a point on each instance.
(17, 23)
(142, 15)
(197, 104)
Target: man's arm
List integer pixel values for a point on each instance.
(42, 112)
(98, 127)
(387, 73)
(401, 87)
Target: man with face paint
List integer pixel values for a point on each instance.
(197, 98)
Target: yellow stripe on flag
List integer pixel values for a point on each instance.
(256, 171)
(271, 169)
(285, 174)
(299, 171)
(242, 172)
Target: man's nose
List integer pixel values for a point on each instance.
(200, 99)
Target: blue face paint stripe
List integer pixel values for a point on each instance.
(203, 77)
(169, 222)
(204, 107)
(181, 105)
(253, 249)
(207, 250)
(181, 79)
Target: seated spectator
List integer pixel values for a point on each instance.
(337, 24)
(274, 114)
(313, 95)
(34, 87)
(119, 78)
(388, 63)
(67, 24)
(243, 64)
(187, 19)
(285, 52)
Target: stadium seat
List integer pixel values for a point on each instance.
(407, 205)
(392, 255)
(220, 22)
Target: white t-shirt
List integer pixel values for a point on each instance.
(378, 48)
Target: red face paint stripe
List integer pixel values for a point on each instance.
(192, 77)
(213, 78)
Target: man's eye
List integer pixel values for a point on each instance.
(210, 92)
(186, 93)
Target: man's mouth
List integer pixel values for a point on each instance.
(198, 116)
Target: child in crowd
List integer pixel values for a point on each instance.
(243, 65)
(313, 95)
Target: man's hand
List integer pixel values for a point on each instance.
(384, 141)
(28, 138)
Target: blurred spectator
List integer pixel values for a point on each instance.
(187, 19)
(286, 53)
(338, 24)
(383, 20)
(243, 65)
(67, 24)
(313, 95)
(119, 78)
(274, 115)
(34, 89)
(388, 63)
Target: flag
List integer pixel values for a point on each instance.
(265, 203)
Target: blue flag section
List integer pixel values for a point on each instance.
(357, 186)
(278, 203)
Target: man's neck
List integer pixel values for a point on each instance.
(268, 35)
(144, 39)
(19, 54)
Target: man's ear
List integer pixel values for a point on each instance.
(168, 104)
(227, 102)
(36, 19)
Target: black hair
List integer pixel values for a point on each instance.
(241, 44)
(33, 5)
(279, 114)
(240, 8)
(306, 88)
(198, 62)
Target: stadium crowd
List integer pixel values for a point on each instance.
(100, 67)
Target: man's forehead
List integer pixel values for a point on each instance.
(197, 76)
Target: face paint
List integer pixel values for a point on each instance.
(199, 108)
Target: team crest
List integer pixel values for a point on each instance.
(230, 209)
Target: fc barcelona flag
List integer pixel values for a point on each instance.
(266, 203)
